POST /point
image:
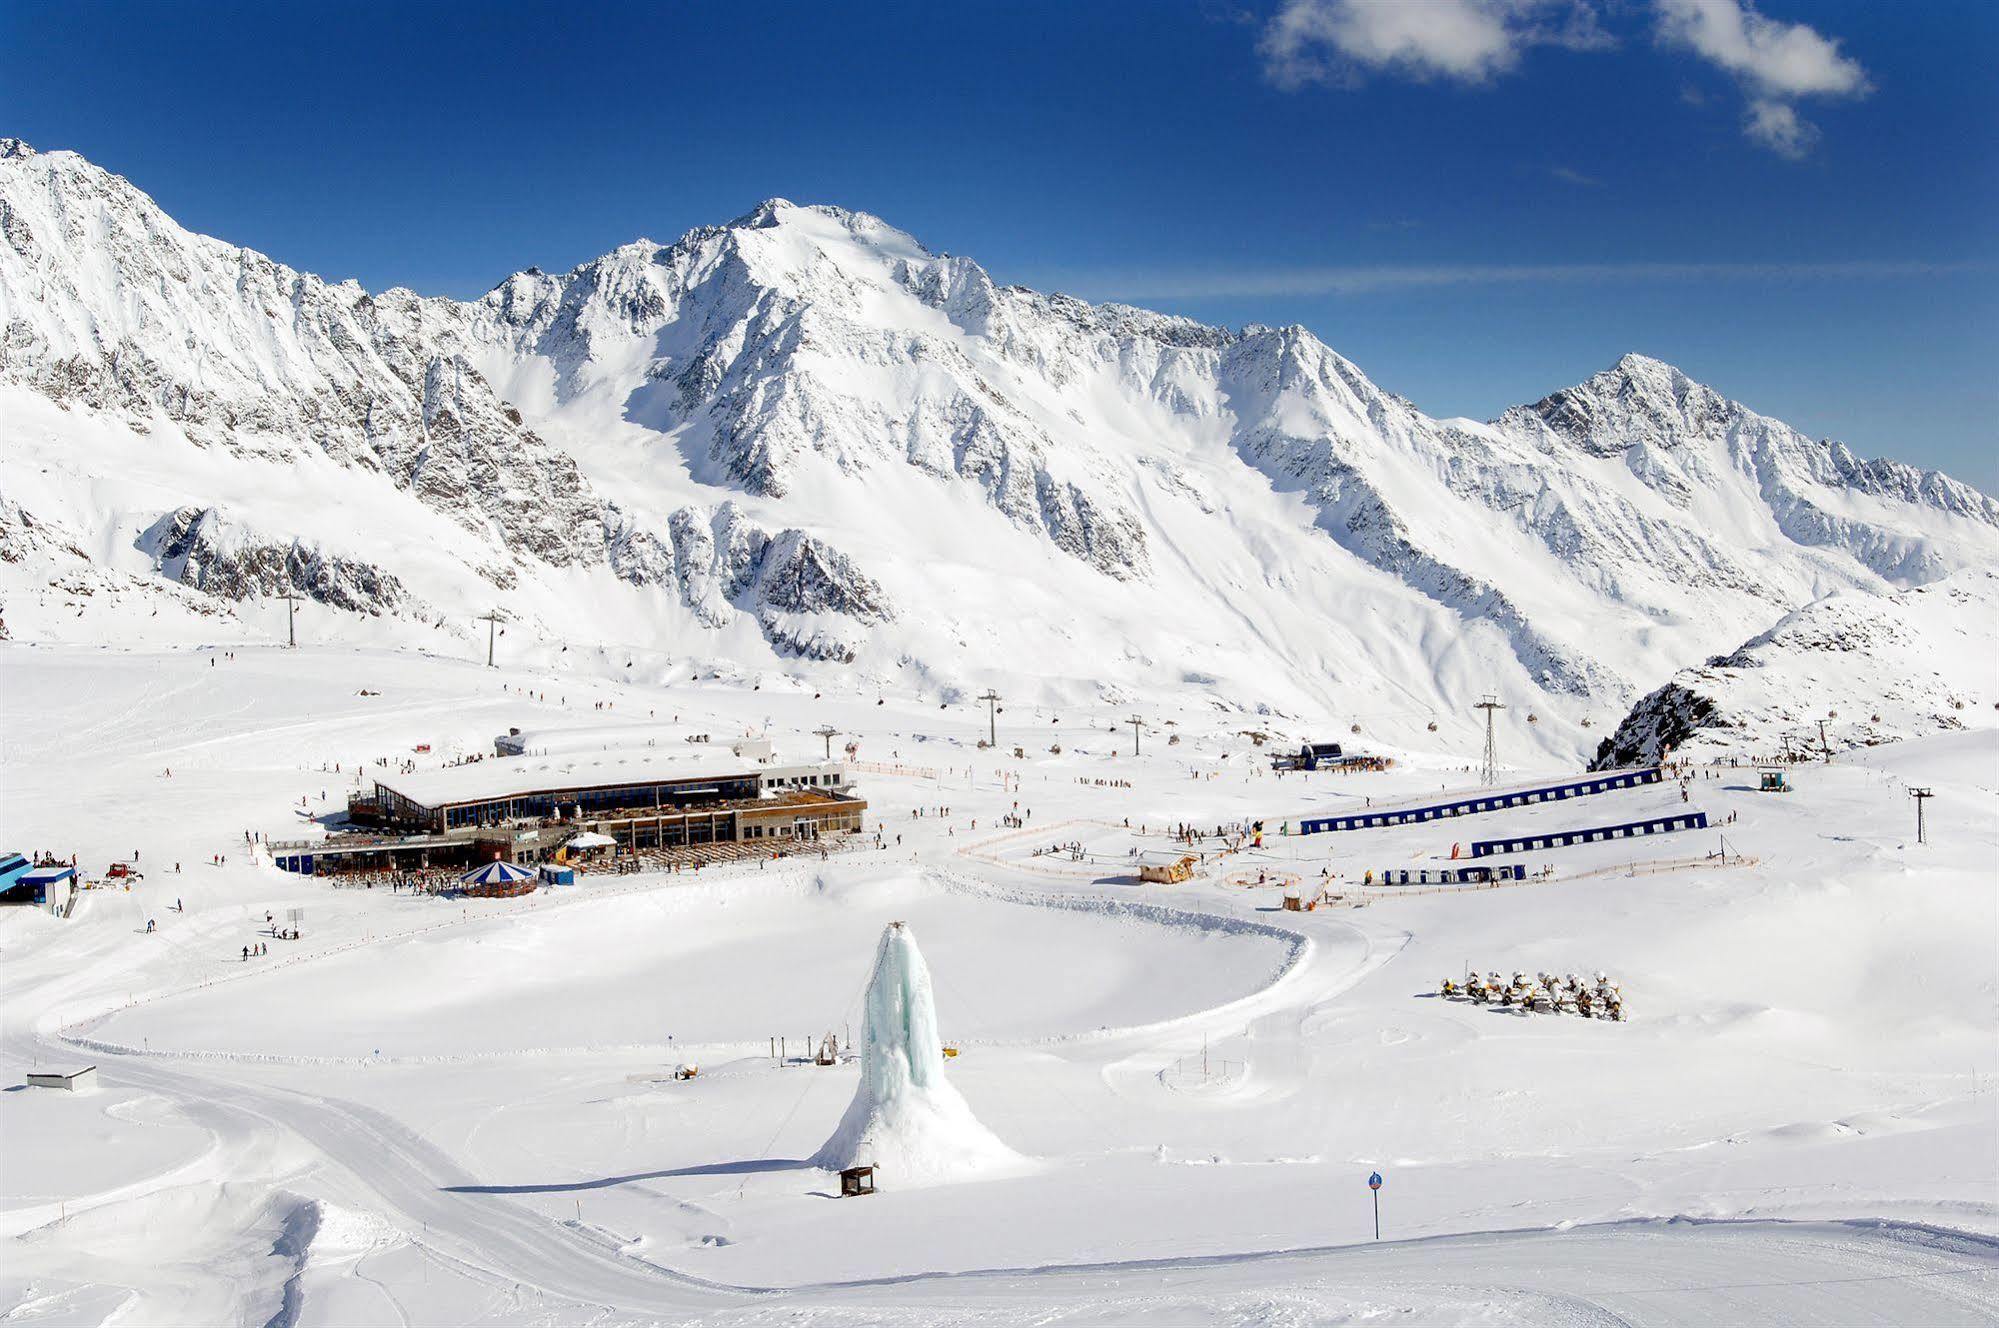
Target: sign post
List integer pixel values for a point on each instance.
(1374, 1184)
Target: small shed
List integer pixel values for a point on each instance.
(588, 845)
(856, 1181)
(52, 886)
(73, 1081)
(554, 875)
(47, 885)
(1773, 779)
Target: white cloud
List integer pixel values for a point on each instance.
(1777, 59)
(1213, 283)
(1778, 126)
(1341, 42)
(1466, 41)
(1776, 62)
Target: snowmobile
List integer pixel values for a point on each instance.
(1450, 990)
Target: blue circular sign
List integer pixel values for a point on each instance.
(1374, 1181)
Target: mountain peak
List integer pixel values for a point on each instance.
(14, 149)
(1151, 467)
(765, 214)
(1631, 362)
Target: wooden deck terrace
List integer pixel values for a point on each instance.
(357, 843)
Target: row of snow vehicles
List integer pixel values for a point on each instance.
(1543, 993)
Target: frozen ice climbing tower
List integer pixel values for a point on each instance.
(906, 1117)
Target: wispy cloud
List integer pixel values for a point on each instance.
(1466, 41)
(1570, 175)
(1776, 63)
(1206, 283)
(1342, 43)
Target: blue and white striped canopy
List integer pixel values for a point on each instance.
(497, 873)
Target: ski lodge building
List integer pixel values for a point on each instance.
(527, 808)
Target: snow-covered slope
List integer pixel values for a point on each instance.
(1874, 668)
(803, 436)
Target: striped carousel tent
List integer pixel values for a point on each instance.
(497, 873)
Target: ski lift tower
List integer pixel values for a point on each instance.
(291, 619)
(828, 732)
(1489, 772)
(493, 618)
(991, 698)
(1921, 795)
(1135, 722)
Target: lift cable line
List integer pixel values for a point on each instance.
(1489, 772)
(991, 698)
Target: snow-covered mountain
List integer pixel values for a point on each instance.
(1850, 670)
(804, 437)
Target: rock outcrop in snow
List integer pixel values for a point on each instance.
(202, 548)
(807, 425)
(1875, 669)
(906, 1117)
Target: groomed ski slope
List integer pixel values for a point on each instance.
(1796, 1125)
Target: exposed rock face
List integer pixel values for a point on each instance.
(808, 598)
(46, 575)
(1656, 726)
(199, 548)
(807, 595)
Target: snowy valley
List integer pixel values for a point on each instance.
(838, 595)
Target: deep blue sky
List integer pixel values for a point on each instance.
(1120, 150)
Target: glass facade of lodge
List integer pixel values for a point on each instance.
(549, 803)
